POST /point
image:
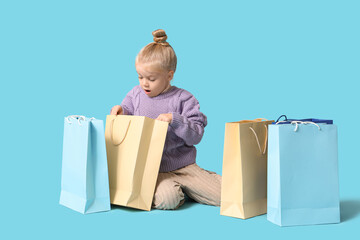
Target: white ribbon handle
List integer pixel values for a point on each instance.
(257, 139)
(77, 117)
(300, 122)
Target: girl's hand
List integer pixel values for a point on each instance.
(166, 117)
(116, 110)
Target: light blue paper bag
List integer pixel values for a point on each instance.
(84, 177)
(303, 186)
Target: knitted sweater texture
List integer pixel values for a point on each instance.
(185, 130)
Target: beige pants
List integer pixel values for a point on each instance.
(201, 185)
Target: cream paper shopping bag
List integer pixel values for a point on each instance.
(243, 190)
(134, 146)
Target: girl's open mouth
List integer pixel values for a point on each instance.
(147, 91)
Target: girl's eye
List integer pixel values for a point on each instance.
(140, 77)
(151, 80)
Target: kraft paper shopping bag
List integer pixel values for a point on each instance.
(303, 185)
(84, 176)
(134, 147)
(243, 190)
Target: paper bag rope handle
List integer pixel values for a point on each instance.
(300, 122)
(281, 117)
(257, 139)
(112, 133)
(260, 119)
(255, 120)
(78, 117)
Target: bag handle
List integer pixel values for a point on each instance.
(260, 119)
(281, 117)
(255, 120)
(124, 132)
(257, 139)
(300, 122)
(75, 117)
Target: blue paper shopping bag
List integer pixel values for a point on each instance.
(289, 121)
(84, 177)
(303, 185)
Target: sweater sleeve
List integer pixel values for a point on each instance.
(128, 103)
(189, 124)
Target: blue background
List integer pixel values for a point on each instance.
(241, 59)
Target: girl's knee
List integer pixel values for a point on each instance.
(168, 199)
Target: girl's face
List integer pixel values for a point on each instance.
(153, 80)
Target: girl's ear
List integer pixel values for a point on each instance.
(170, 75)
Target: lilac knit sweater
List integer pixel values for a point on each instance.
(185, 130)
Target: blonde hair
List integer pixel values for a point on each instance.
(158, 52)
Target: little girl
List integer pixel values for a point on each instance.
(155, 98)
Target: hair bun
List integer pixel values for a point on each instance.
(159, 36)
